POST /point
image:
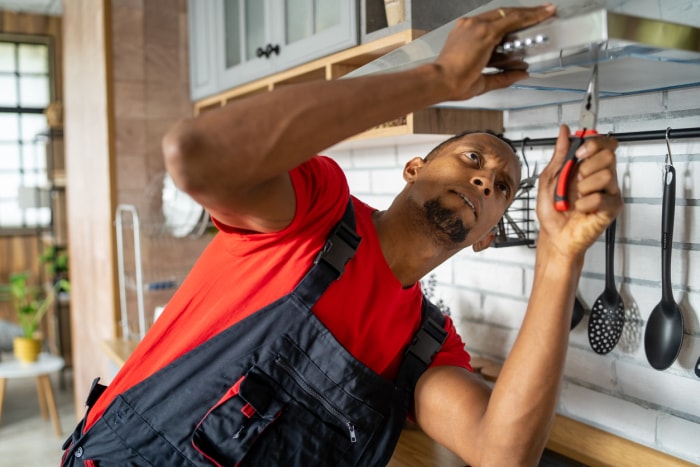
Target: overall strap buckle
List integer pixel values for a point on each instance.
(427, 341)
(340, 247)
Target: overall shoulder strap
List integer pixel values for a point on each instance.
(427, 341)
(340, 247)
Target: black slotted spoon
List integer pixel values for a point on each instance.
(608, 312)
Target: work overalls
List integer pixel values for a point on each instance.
(275, 389)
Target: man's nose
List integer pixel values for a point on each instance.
(484, 183)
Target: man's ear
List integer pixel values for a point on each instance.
(410, 170)
(484, 242)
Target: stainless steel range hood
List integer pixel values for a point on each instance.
(636, 51)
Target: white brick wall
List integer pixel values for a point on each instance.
(487, 292)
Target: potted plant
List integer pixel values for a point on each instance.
(31, 304)
(55, 261)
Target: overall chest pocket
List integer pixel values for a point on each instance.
(246, 410)
(287, 412)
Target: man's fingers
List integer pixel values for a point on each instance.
(597, 171)
(503, 79)
(561, 148)
(601, 181)
(599, 202)
(519, 17)
(597, 187)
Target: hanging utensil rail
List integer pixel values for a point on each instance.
(629, 137)
(517, 228)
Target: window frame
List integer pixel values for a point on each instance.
(33, 39)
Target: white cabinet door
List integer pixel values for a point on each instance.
(314, 28)
(247, 36)
(236, 41)
(202, 54)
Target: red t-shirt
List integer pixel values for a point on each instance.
(367, 309)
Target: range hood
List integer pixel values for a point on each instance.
(635, 49)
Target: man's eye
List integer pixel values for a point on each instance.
(504, 188)
(472, 156)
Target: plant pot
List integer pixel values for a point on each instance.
(27, 349)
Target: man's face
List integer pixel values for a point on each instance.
(465, 188)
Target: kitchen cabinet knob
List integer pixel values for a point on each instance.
(267, 51)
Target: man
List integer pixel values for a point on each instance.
(253, 165)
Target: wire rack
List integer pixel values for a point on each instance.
(151, 266)
(517, 226)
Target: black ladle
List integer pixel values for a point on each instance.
(664, 332)
(608, 312)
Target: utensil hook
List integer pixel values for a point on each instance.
(522, 151)
(669, 159)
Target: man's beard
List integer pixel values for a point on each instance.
(446, 222)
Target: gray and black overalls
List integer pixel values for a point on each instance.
(275, 389)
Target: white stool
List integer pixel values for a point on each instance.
(41, 369)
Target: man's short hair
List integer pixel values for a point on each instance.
(459, 136)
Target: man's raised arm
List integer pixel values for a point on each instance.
(234, 160)
(510, 425)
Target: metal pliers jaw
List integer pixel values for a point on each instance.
(587, 121)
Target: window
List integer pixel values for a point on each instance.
(25, 92)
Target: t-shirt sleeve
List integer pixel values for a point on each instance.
(321, 192)
(453, 352)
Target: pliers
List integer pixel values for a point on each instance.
(587, 123)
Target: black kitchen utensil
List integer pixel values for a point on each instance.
(664, 331)
(578, 313)
(608, 312)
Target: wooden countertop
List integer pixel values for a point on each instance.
(118, 350)
(571, 438)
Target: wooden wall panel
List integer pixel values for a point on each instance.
(17, 254)
(151, 92)
(89, 168)
(126, 78)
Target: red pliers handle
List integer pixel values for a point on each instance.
(561, 203)
(587, 122)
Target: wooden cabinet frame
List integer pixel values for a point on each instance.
(432, 120)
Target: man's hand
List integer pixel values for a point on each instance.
(235, 160)
(470, 46)
(594, 195)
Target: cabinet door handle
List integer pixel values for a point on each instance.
(267, 51)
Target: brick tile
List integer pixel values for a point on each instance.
(483, 339)
(583, 364)
(374, 157)
(679, 437)
(387, 181)
(489, 277)
(503, 311)
(342, 157)
(359, 181)
(684, 99)
(666, 389)
(615, 415)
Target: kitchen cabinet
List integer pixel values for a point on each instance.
(236, 41)
(432, 120)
